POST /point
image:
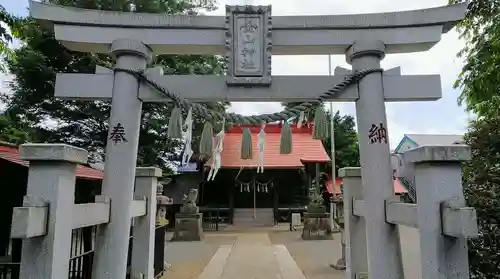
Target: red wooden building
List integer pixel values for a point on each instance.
(284, 182)
(336, 188)
(14, 174)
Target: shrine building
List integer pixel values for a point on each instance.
(283, 184)
(266, 198)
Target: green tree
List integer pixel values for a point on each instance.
(346, 141)
(482, 190)
(480, 78)
(480, 84)
(6, 19)
(85, 124)
(12, 132)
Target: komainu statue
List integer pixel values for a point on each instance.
(188, 222)
(190, 199)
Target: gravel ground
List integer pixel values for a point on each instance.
(313, 257)
(188, 259)
(410, 251)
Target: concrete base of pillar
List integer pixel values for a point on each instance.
(340, 265)
(317, 226)
(188, 227)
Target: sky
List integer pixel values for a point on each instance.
(444, 116)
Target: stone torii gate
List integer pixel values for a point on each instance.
(132, 38)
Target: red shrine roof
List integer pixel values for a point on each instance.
(398, 187)
(304, 148)
(11, 154)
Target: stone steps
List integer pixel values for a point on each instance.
(245, 217)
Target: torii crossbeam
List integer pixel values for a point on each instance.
(247, 36)
(99, 86)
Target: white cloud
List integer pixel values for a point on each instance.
(402, 117)
(443, 116)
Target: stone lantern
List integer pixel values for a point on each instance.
(161, 204)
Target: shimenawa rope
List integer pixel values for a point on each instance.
(284, 115)
(206, 144)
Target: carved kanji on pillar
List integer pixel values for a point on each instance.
(378, 134)
(117, 134)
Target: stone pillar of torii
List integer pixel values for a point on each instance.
(133, 38)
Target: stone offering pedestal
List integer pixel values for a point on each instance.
(317, 226)
(188, 222)
(188, 227)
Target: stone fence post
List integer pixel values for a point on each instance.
(143, 230)
(354, 226)
(444, 221)
(50, 196)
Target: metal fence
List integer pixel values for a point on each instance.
(215, 218)
(9, 265)
(83, 241)
(82, 252)
(159, 250)
(81, 256)
(9, 270)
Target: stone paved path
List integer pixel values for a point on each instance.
(188, 259)
(268, 255)
(313, 257)
(252, 256)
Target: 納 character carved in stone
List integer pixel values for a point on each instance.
(378, 134)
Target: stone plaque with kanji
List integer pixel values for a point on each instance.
(248, 45)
